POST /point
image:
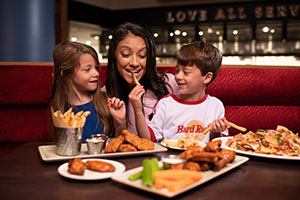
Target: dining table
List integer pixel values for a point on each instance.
(24, 175)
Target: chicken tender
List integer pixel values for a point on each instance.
(131, 138)
(140, 143)
(145, 145)
(126, 148)
(99, 166)
(76, 166)
(114, 144)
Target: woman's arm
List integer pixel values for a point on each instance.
(141, 125)
(140, 122)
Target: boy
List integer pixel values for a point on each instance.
(192, 111)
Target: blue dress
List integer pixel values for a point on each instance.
(92, 125)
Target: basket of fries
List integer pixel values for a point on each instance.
(68, 128)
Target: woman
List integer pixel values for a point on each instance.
(132, 51)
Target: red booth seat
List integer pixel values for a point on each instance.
(255, 97)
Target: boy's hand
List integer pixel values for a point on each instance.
(135, 97)
(117, 109)
(219, 125)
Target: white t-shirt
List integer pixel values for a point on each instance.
(174, 118)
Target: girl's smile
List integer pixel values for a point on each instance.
(86, 76)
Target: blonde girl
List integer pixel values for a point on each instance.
(76, 84)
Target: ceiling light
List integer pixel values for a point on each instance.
(177, 32)
(155, 35)
(74, 39)
(265, 29)
(235, 32)
(184, 33)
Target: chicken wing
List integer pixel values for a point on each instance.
(76, 166)
(190, 151)
(192, 166)
(213, 146)
(99, 166)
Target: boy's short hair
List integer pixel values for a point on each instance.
(203, 55)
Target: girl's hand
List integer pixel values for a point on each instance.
(117, 109)
(219, 125)
(135, 97)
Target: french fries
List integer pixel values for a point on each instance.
(134, 79)
(69, 119)
(182, 142)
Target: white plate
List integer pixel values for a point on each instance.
(224, 140)
(207, 175)
(47, 153)
(92, 175)
(202, 144)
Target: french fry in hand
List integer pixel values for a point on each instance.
(206, 130)
(231, 124)
(237, 127)
(134, 79)
(69, 119)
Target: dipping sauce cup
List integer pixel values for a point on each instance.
(172, 162)
(96, 143)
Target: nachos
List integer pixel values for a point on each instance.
(281, 141)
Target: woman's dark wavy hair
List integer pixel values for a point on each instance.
(153, 80)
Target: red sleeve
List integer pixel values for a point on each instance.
(153, 138)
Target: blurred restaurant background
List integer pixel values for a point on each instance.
(265, 32)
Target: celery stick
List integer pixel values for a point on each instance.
(147, 178)
(154, 165)
(135, 176)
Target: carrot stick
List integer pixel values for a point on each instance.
(172, 185)
(176, 174)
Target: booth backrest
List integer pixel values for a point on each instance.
(255, 97)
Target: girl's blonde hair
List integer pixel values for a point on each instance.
(66, 58)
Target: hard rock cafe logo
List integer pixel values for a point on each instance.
(192, 129)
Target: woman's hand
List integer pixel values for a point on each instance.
(135, 97)
(117, 109)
